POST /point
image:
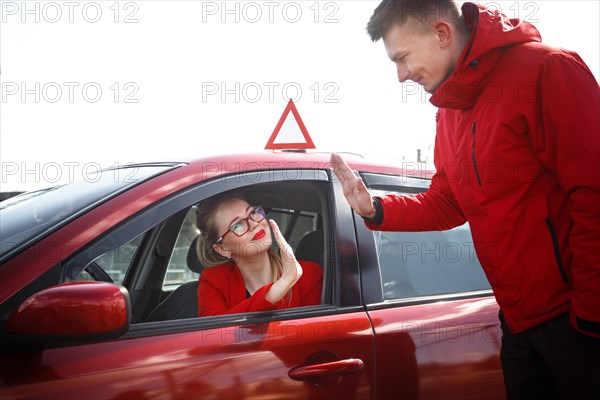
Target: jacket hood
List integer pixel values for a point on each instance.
(491, 33)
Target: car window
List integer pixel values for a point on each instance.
(150, 255)
(415, 264)
(111, 266)
(178, 271)
(116, 263)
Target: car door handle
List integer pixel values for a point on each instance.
(328, 368)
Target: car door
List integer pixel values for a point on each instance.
(323, 351)
(437, 333)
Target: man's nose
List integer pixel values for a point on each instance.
(403, 73)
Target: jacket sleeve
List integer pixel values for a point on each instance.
(569, 107)
(212, 300)
(435, 209)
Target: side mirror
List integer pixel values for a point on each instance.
(70, 313)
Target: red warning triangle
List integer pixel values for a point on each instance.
(290, 133)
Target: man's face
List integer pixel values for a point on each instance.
(421, 53)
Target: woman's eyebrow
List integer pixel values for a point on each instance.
(238, 218)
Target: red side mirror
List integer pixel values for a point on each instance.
(71, 313)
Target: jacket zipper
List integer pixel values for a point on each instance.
(473, 153)
(556, 250)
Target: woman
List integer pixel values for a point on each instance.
(245, 274)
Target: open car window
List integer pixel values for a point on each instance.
(153, 254)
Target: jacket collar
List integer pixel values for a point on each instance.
(491, 34)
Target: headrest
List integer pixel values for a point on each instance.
(193, 261)
(311, 247)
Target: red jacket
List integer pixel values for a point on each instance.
(221, 290)
(517, 155)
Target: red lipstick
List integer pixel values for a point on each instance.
(259, 235)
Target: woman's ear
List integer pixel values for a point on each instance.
(219, 249)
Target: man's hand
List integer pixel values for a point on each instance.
(355, 190)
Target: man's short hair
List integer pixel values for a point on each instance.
(391, 12)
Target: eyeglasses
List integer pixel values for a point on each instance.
(240, 227)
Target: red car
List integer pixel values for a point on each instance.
(98, 294)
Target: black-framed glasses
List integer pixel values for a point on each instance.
(241, 226)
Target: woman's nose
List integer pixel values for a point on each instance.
(252, 223)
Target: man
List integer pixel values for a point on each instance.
(517, 156)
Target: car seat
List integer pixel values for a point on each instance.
(183, 302)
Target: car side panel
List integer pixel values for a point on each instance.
(439, 350)
(248, 361)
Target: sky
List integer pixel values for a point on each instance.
(93, 84)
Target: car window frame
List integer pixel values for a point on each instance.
(153, 216)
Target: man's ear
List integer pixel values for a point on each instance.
(443, 33)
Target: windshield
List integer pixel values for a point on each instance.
(32, 215)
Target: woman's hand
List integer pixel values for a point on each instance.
(291, 269)
(355, 191)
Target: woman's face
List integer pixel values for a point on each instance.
(229, 216)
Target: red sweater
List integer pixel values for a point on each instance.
(222, 291)
(516, 154)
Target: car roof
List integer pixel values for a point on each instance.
(218, 165)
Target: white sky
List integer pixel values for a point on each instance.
(89, 84)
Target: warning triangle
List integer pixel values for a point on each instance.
(290, 132)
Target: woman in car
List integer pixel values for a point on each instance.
(245, 274)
